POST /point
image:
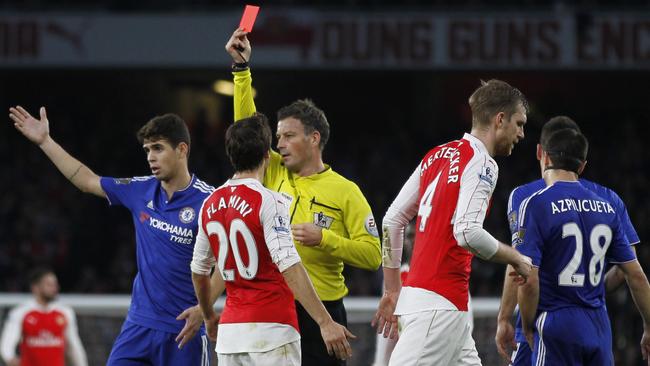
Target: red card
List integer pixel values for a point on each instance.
(248, 19)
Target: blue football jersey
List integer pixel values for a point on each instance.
(524, 191)
(569, 232)
(165, 233)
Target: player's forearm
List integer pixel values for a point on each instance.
(8, 347)
(362, 253)
(392, 280)
(10, 337)
(72, 169)
(8, 355)
(243, 94)
(202, 289)
(508, 297)
(615, 276)
(613, 279)
(304, 292)
(638, 284)
(506, 254)
(528, 299)
(217, 286)
(472, 236)
(76, 352)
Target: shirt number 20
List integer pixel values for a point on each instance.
(237, 226)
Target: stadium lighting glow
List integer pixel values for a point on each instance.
(227, 88)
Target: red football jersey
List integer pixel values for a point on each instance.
(242, 222)
(42, 334)
(438, 263)
(43, 340)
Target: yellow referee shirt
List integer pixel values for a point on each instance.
(328, 200)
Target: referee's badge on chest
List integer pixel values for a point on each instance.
(322, 220)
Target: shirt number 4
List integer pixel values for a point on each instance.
(424, 211)
(237, 226)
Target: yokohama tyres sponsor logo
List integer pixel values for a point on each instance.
(172, 229)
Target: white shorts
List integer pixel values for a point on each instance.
(288, 354)
(435, 337)
(383, 349)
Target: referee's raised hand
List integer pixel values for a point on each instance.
(238, 46)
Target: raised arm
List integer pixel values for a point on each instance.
(239, 48)
(38, 132)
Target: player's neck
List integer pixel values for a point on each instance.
(41, 301)
(257, 174)
(555, 175)
(178, 182)
(487, 137)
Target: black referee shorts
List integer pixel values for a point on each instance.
(314, 352)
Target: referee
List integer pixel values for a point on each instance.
(331, 220)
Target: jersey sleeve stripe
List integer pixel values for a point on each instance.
(524, 205)
(510, 199)
(630, 261)
(203, 184)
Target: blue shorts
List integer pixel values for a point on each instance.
(137, 345)
(573, 337)
(521, 355)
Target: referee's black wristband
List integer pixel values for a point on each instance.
(239, 66)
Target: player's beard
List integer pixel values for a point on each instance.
(505, 148)
(48, 298)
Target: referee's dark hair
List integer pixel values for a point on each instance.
(248, 141)
(312, 118)
(35, 275)
(567, 149)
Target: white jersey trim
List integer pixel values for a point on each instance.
(477, 184)
(254, 337)
(414, 299)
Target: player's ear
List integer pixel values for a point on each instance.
(315, 138)
(546, 159)
(581, 168)
(183, 148)
(500, 119)
(539, 152)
